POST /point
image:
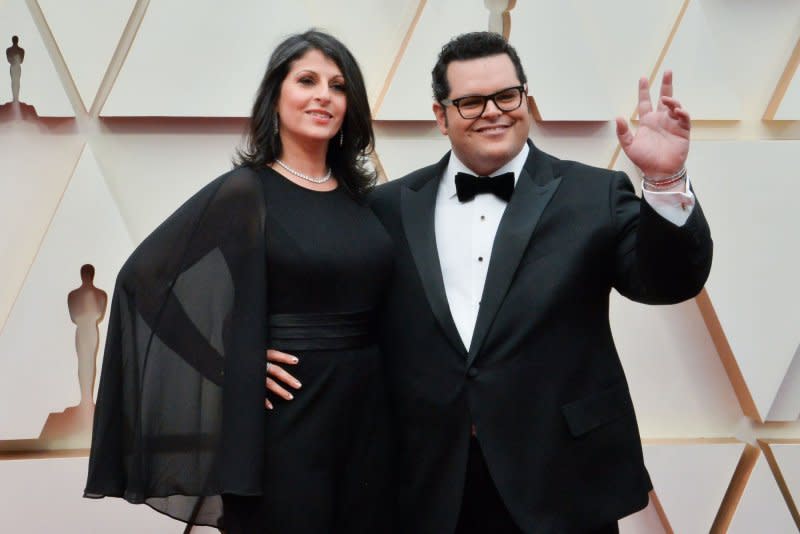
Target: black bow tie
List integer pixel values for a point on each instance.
(467, 186)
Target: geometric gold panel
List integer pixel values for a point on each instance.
(593, 76)
(87, 49)
(408, 97)
(749, 196)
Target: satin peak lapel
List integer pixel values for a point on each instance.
(531, 196)
(418, 223)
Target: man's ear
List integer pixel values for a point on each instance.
(441, 117)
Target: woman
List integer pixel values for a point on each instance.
(279, 253)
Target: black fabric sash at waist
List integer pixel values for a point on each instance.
(320, 331)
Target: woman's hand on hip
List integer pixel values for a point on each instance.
(278, 378)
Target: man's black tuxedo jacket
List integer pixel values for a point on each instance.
(541, 381)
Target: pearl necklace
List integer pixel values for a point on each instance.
(312, 179)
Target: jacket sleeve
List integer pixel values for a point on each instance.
(656, 261)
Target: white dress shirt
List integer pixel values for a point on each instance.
(465, 235)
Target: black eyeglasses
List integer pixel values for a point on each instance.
(472, 106)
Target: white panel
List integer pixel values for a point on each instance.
(789, 108)
(201, 57)
(677, 381)
(46, 496)
(643, 522)
(87, 48)
(35, 166)
(749, 198)
(409, 96)
(762, 508)
(704, 83)
(86, 228)
(755, 40)
(151, 175)
(788, 458)
(372, 30)
(40, 85)
(594, 74)
(691, 480)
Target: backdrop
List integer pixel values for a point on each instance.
(126, 107)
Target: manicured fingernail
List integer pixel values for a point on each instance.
(295, 360)
(297, 384)
(290, 397)
(269, 405)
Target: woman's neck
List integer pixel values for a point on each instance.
(307, 158)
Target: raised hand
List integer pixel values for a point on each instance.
(661, 143)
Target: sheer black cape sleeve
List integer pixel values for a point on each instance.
(180, 408)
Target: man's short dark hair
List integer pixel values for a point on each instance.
(466, 46)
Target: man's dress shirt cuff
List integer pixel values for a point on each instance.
(674, 206)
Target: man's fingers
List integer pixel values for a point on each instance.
(645, 106)
(278, 390)
(666, 88)
(267, 404)
(624, 132)
(677, 112)
(277, 356)
(279, 373)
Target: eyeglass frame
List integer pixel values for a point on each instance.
(456, 101)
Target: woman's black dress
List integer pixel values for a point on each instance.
(253, 261)
(326, 463)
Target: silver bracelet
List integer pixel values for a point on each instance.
(659, 184)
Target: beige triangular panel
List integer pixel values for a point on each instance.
(594, 74)
(201, 57)
(35, 166)
(39, 334)
(677, 381)
(754, 42)
(87, 48)
(703, 73)
(409, 96)
(373, 31)
(691, 480)
(762, 507)
(45, 495)
(40, 85)
(753, 284)
(149, 176)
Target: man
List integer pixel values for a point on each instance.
(512, 409)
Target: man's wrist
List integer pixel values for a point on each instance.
(671, 182)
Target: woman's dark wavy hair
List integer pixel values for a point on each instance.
(348, 162)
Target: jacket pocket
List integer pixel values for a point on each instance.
(598, 409)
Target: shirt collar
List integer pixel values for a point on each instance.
(455, 165)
